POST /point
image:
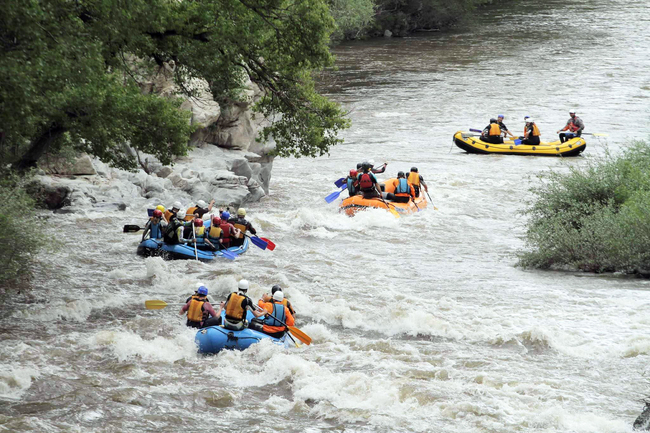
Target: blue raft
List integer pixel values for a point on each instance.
(157, 248)
(213, 339)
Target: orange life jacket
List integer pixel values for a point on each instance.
(195, 312)
(494, 129)
(535, 132)
(168, 214)
(234, 310)
(189, 213)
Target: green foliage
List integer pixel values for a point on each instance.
(594, 218)
(20, 236)
(71, 73)
(352, 17)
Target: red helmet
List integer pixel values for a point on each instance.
(353, 172)
(157, 214)
(216, 221)
(198, 222)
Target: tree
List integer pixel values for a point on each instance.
(70, 73)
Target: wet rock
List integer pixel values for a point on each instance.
(80, 166)
(164, 172)
(388, 33)
(642, 422)
(49, 195)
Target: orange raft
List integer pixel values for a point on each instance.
(354, 204)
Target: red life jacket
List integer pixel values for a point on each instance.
(225, 229)
(366, 181)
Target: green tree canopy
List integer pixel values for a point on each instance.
(70, 72)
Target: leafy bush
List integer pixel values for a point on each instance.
(593, 218)
(352, 17)
(19, 234)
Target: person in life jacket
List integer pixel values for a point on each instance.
(198, 308)
(367, 182)
(575, 125)
(379, 170)
(167, 215)
(198, 233)
(199, 210)
(213, 235)
(155, 227)
(492, 133)
(351, 182)
(237, 304)
(531, 133)
(415, 179)
(504, 128)
(174, 232)
(267, 298)
(404, 191)
(278, 316)
(228, 231)
(240, 222)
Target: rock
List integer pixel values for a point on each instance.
(80, 166)
(164, 172)
(83, 166)
(48, 194)
(388, 33)
(643, 421)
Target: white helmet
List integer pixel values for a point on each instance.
(572, 111)
(180, 214)
(278, 296)
(177, 205)
(201, 204)
(243, 285)
(371, 162)
(530, 120)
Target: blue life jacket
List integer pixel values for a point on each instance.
(156, 231)
(278, 311)
(402, 187)
(351, 188)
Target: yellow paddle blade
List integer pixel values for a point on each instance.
(155, 304)
(300, 335)
(600, 135)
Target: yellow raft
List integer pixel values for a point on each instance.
(354, 204)
(471, 144)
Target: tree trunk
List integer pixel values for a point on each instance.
(38, 147)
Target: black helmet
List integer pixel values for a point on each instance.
(275, 289)
(365, 166)
(493, 120)
(400, 174)
(359, 165)
(415, 169)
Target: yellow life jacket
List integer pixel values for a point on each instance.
(190, 213)
(414, 178)
(215, 232)
(494, 129)
(241, 227)
(285, 302)
(195, 312)
(199, 231)
(234, 311)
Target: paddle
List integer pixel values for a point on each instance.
(131, 228)
(257, 241)
(392, 210)
(476, 130)
(156, 304)
(333, 196)
(269, 245)
(150, 212)
(595, 134)
(434, 206)
(227, 254)
(196, 254)
(339, 183)
(295, 331)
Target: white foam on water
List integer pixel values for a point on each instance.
(128, 346)
(15, 380)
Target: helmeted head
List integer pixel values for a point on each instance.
(161, 208)
(216, 221)
(371, 162)
(365, 166)
(353, 173)
(202, 204)
(241, 212)
(242, 285)
(180, 214)
(501, 117)
(493, 120)
(177, 205)
(572, 112)
(359, 166)
(278, 296)
(225, 215)
(275, 288)
(157, 213)
(414, 169)
(530, 120)
(400, 174)
(526, 117)
(202, 290)
(198, 222)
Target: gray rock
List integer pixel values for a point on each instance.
(643, 421)
(388, 33)
(164, 172)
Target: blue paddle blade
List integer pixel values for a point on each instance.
(259, 242)
(150, 212)
(229, 254)
(333, 196)
(339, 183)
(517, 142)
(475, 130)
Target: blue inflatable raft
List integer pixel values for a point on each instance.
(157, 248)
(213, 339)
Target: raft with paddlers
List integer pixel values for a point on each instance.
(472, 143)
(356, 203)
(158, 248)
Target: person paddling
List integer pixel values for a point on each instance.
(267, 298)
(404, 191)
(416, 180)
(351, 182)
(531, 133)
(379, 170)
(504, 128)
(240, 222)
(575, 125)
(237, 304)
(279, 317)
(368, 183)
(169, 213)
(199, 210)
(492, 133)
(155, 227)
(198, 308)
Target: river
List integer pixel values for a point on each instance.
(419, 324)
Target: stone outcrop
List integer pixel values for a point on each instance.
(642, 422)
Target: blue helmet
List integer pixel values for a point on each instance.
(202, 291)
(225, 215)
(501, 116)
